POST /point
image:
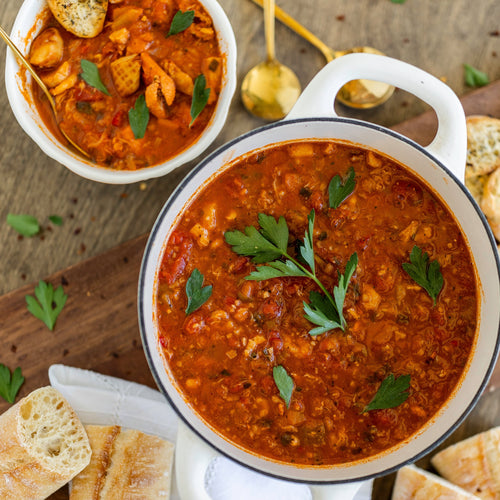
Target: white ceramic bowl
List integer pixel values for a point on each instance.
(440, 165)
(28, 24)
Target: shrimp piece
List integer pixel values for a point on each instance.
(54, 78)
(153, 72)
(182, 80)
(47, 49)
(66, 84)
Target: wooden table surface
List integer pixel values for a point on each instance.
(436, 36)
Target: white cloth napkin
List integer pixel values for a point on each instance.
(102, 400)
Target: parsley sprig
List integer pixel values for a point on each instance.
(48, 303)
(138, 117)
(180, 22)
(90, 74)
(424, 273)
(200, 97)
(25, 225)
(338, 191)
(474, 77)
(197, 294)
(270, 244)
(391, 393)
(10, 384)
(284, 383)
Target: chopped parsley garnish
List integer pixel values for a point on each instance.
(90, 74)
(270, 244)
(56, 219)
(284, 383)
(391, 393)
(25, 225)
(424, 273)
(338, 191)
(200, 97)
(197, 294)
(138, 117)
(10, 384)
(181, 21)
(48, 303)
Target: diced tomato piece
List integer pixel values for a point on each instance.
(118, 118)
(271, 308)
(194, 324)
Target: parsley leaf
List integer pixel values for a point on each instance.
(270, 244)
(90, 73)
(49, 304)
(474, 77)
(181, 21)
(425, 274)
(196, 293)
(55, 219)
(200, 97)
(138, 117)
(398, 1)
(26, 225)
(391, 393)
(10, 385)
(338, 192)
(284, 383)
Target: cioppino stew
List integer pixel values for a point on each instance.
(139, 92)
(317, 303)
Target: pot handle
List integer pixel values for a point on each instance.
(193, 456)
(450, 144)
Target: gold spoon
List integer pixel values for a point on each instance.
(42, 85)
(361, 94)
(270, 89)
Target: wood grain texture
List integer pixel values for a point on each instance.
(436, 36)
(98, 327)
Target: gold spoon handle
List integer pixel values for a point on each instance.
(269, 9)
(289, 21)
(5, 37)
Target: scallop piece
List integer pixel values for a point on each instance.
(47, 49)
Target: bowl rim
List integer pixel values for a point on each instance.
(25, 110)
(450, 428)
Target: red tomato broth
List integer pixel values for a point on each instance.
(222, 355)
(99, 123)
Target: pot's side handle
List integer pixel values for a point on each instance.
(192, 458)
(450, 143)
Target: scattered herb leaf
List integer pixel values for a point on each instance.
(338, 191)
(425, 274)
(391, 393)
(200, 97)
(181, 21)
(49, 304)
(284, 383)
(196, 293)
(138, 117)
(56, 219)
(10, 385)
(26, 225)
(474, 77)
(398, 1)
(270, 244)
(90, 73)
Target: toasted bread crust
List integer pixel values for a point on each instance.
(483, 145)
(84, 19)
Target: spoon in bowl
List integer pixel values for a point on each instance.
(270, 89)
(361, 94)
(42, 85)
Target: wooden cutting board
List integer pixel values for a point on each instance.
(98, 328)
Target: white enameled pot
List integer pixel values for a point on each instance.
(440, 165)
(29, 22)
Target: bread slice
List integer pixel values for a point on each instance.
(475, 185)
(126, 464)
(413, 483)
(83, 18)
(483, 145)
(473, 464)
(42, 446)
(490, 202)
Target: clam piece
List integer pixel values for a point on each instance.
(126, 72)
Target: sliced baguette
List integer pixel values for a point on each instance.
(490, 202)
(83, 18)
(473, 464)
(483, 145)
(43, 445)
(413, 483)
(126, 464)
